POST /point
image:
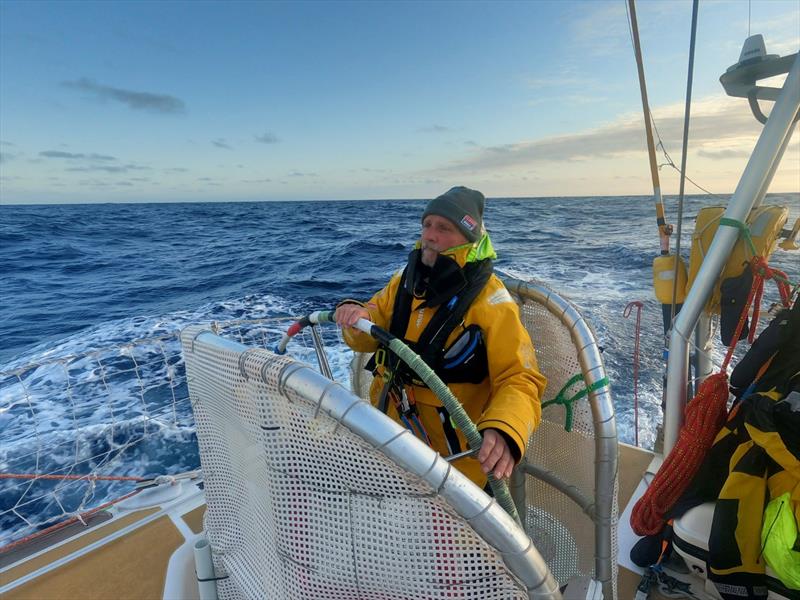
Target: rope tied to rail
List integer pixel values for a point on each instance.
(705, 415)
(78, 517)
(638, 304)
(761, 272)
(88, 477)
(744, 231)
(568, 401)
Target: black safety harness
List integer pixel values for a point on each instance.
(452, 289)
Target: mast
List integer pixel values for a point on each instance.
(669, 270)
(664, 229)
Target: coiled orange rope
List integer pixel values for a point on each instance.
(704, 417)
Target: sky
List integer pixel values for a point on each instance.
(236, 101)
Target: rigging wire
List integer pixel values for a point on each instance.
(687, 113)
(664, 228)
(669, 162)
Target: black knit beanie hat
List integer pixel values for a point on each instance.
(464, 207)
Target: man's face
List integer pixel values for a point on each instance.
(438, 234)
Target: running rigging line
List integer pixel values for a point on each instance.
(660, 143)
(684, 152)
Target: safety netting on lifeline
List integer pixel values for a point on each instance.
(313, 493)
(81, 432)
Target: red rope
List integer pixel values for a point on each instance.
(761, 272)
(62, 524)
(757, 282)
(626, 313)
(70, 477)
(705, 415)
(79, 516)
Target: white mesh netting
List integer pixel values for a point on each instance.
(301, 507)
(77, 431)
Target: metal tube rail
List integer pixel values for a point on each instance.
(605, 427)
(319, 348)
(757, 174)
(703, 365)
(483, 513)
(768, 180)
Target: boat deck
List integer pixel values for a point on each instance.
(128, 557)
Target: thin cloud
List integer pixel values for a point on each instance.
(718, 125)
(97, 169)
(267, 138)
(147, 101)
(301, 174)
(435, 129)
(221, 143)
(91, 163)
(108, 169)
(602, 27)
(722, 154)
(94, 183)
(6, 157)
(75, 156)
(559, 80)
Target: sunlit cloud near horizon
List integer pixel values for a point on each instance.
(347, 100)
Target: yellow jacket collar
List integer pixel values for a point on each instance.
(471, 251)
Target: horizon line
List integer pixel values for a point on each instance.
(241, 201)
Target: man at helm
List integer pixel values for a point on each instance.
(458, 316)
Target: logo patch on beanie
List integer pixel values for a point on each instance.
(469, 222)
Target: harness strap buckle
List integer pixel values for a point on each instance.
(380, 357)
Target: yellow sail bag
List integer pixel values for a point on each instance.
(765, 222)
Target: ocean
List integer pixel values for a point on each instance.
(82, 278)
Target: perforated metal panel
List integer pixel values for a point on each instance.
(565, 535)
(301, 503)
(552, 519)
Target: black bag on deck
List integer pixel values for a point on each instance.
(733, 296)
(780, 332)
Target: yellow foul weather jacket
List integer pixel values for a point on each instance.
(508, 399)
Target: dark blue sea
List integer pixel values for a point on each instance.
(79, 278)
